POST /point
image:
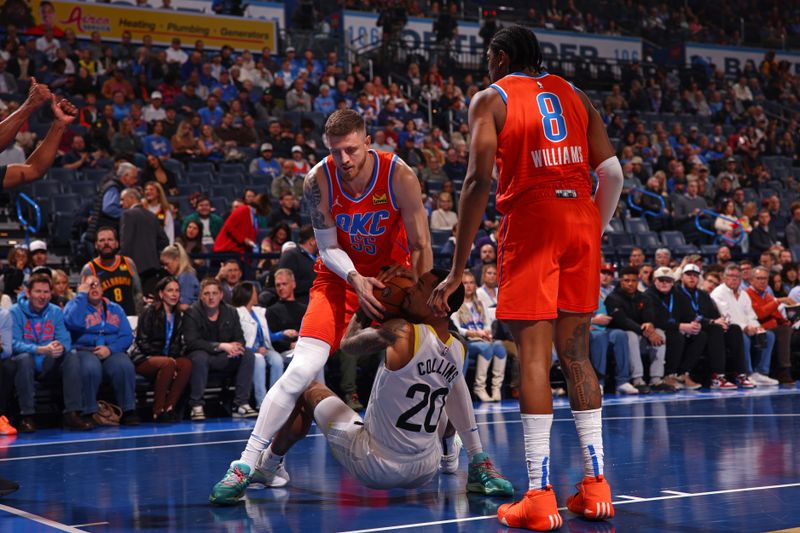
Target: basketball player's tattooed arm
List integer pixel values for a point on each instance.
(313, 196)
(360, 338)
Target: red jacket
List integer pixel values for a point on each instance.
(766, 309)
(237, 228)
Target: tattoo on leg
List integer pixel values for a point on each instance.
(582, 385)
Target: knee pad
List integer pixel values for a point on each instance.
(310, 356)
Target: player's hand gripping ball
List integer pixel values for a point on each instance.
(392, 295)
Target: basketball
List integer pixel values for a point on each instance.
(392, 295)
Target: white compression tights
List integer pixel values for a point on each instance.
(310, 356)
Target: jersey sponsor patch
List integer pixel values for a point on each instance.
(379, 197)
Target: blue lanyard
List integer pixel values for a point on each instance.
(693, 300)
(671, 319)
(259, 331)
(255, 219)
(169, 325)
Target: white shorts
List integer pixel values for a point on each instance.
(354, 448)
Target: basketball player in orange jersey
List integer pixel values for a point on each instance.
(367, 213)
(544, 134)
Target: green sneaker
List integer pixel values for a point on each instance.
(231, 488)
(484, 479)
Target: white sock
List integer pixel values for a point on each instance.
(536, 429)
(472, 442)
(310, 355)
(590, 432)
(271, 460)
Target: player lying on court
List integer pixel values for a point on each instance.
(419, 387)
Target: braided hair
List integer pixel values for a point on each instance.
(521, 46)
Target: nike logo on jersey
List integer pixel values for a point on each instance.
(368, 224)
(553, 157)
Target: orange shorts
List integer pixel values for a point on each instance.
(549, 259)
(331, 305)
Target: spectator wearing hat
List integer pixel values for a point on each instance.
(175, 54)
(684, 334)
(38, 254)
(301, 165)
(154, 110)
(606, 280)
(638, 170)
(725, 347)
(265, 165)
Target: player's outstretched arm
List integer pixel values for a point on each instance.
(483, 125)
(43, 156)
(37, 95)
(360, 338)
(408, 193)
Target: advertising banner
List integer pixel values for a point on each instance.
(163, 25)
(732, 59)
(360, 29)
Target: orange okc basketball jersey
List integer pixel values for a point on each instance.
(543, 145)
(368, 227)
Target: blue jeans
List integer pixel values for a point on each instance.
(598, 348)
(116, 368)
(25, 376)
(487, 350)
(275, 362)
(766, 354)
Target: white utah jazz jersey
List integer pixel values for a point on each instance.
(406, 404)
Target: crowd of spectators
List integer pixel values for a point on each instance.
(163, 243)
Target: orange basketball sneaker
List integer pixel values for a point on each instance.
(6, 428)
(537, 510)
(593, 499)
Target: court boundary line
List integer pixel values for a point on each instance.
(40, 519)
(623, 502)
(487, 423)
(125, 437)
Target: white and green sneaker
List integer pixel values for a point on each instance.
(230, 489)
(265, 477)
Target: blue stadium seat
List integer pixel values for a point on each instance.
(620, 239)
(174, 166)
(636, 225)
(62, 174)
(190, 188)
(46, 189)
(66, 203)
(202, 177)
(95, 175)
(616, 226)
(440, 236)
(673, 239)
(232, 168)
(86, 189)
(200, 166)
(709, 252)
(647, 240)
